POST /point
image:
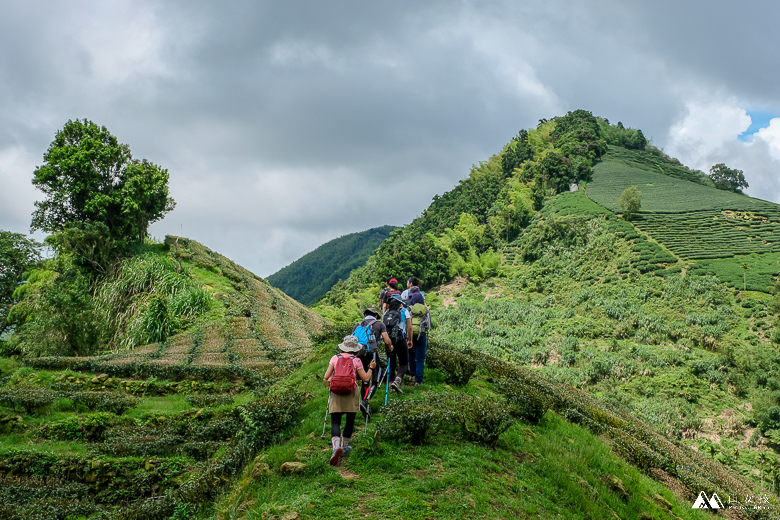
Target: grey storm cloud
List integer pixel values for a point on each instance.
(286, 124)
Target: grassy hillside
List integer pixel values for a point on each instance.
(309, 277)
(540, 468)
(661, 192)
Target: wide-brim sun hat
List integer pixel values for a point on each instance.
(350, 344)
(373, 310)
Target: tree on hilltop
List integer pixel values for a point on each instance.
(729, 179)
(99, 200)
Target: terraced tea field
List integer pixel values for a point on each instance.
(711, 234)
(664, 194)
(751, 273)
(233, 347)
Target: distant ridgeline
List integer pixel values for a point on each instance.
(507, 203)
(309, 277)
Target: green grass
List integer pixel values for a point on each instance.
(13, 442)
(159, 406)
(548, 470)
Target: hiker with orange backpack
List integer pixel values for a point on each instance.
(344, 394)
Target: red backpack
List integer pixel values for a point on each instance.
(343, 380)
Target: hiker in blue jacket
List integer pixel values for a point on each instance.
(415, 294)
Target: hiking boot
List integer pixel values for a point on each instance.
(396, 387)
(335, 456)
(346, 451)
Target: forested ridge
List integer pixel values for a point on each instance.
(309, 277)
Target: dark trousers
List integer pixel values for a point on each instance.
(365, 388)
(399, 359)
(417, 357)
(335, 424)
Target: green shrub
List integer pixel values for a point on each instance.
(91, 428)
(525, 402)
(265, 418)
(768, 418)
(66, 430)
(458, 366)
(103, 401)
(413, 419)
(483, 420)
(30, 399)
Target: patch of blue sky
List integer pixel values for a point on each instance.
(760, 119)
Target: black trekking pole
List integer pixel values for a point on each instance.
(326, 416)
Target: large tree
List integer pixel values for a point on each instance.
(17, 254)
(728, 179)
(92, 183)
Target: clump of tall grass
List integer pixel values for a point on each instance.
(147, 301)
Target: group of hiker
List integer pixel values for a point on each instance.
(401, 322)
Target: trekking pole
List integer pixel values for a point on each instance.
(326, 416)
(387, 385)
(379, 373)
(368, 406)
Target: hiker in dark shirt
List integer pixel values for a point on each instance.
(379, 330)
(397, 316)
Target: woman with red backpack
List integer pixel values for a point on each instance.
(344, 393)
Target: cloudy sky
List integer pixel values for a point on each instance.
(286, 124)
